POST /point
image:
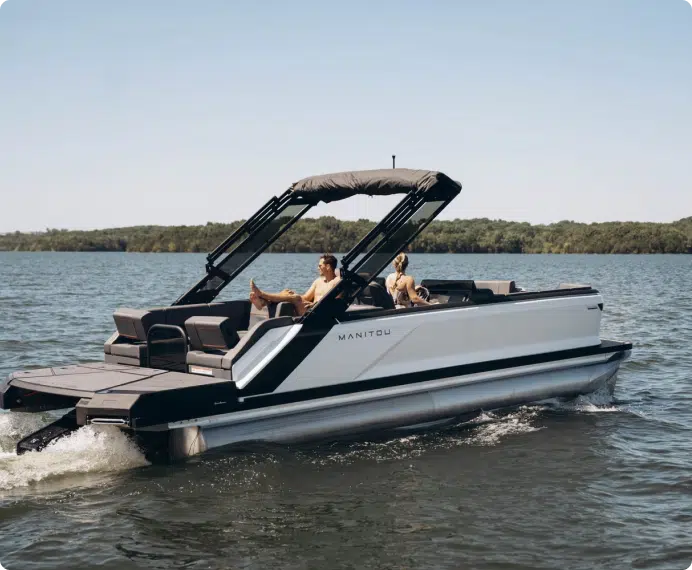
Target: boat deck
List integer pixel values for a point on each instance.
(117, 393)
(85, 380)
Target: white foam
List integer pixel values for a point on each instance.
(492, 429)
(596, 402)
(90, 449)
(14, 426)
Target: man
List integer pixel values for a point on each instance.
(319, 288)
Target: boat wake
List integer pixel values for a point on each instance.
(90, 449)
(599, 401)
(490, 428)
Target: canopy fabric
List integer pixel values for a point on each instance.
(342, 185)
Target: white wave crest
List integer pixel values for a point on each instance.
(596, 402)
(14, 426)
(90, 449)
(493, 429)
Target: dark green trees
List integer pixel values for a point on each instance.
(329, 234)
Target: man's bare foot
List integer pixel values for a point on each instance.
(256, 296)
(255, 289)
(257, 302)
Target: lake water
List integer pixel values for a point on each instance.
(597, 483)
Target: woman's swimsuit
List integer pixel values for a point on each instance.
(400, 296)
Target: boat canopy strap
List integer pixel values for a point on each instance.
(427, 193)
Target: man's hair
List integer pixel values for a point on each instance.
(329, 259)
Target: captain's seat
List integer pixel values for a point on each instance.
(376, 295)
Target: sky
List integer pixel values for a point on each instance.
(185, 112)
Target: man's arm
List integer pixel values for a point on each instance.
(309, 295)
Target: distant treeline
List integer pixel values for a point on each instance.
(329, 234)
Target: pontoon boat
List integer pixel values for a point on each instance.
(201, 374)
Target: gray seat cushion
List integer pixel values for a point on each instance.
(225, 359)
(138, 351)
(238, 311)
(211, 333)
(497, 286)
(207, 359)
(134, 324)
(285, 310)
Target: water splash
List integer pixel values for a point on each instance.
(91, 449)
(492, 428)
(14, 426)
(488, 429)
(600, 400)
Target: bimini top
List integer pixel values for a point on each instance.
(342, 185)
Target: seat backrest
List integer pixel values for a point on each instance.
(450, 290)
(134, 323)
(178, 314)
(497, 286)
(238, 311)
(285, 310)
(448, 286)
(376, 295)
(259, 315)
(211, 333)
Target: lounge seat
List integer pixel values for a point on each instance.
(498, 287)
(375, 295)
(134, 324)
(211, 333)
(130, 350)
(224, 359)
(207, 359)
(128, 345)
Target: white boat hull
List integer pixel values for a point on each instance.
(389, 408)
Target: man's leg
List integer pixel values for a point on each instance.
(285, 296)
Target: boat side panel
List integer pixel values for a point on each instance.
(261, 353)
(290, 424)
(413, 342)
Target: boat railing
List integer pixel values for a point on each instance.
(167, 347)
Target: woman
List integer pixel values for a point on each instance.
(402, 287)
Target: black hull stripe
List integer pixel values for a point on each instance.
(261, 401)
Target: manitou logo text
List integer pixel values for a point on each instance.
(365, 334)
